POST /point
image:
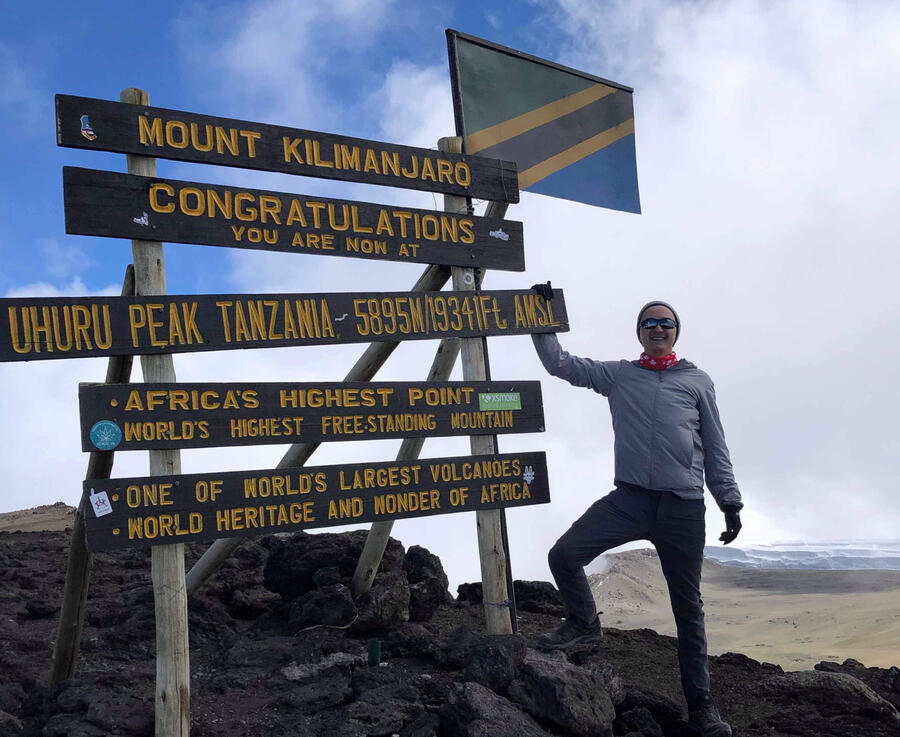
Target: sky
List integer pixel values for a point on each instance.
(767, 162)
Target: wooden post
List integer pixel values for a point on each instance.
(365, 368)
(78, 570)
(167, 567)
(379, 532)
(491, 552)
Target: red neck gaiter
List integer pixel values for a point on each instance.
(658, 364)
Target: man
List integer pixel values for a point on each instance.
(668, 436)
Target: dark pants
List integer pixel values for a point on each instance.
(677, 530)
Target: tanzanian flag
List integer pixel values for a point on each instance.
(571, 134)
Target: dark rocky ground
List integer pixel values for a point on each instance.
(279, 648)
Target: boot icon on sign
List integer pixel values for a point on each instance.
(86, 129)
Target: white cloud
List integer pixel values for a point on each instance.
(62, 261)
(416, 105)
(767, 157)
(75, 288)
(21, 101)
(281, 58)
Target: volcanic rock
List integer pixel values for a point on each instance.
(266, 662)
(422, 565)
(330, 606)
(495, 660)
(822, 702)
(550, 687)
(472, 710)
(539, 597)
(425, 597)
(385, 605)
(295, 560)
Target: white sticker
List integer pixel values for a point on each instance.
(528, 474)
(142, 220)
(499, 233)
(101, 504)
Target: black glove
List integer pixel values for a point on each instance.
(732, 524)
(544, 290)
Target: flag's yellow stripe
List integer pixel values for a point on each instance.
(521, 123)
(576, 153)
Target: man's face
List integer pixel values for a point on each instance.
(658, 341)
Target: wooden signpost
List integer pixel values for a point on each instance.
(166, 509)
(122, 206)
(144, 416)
(156, 510)
(173, 672)
(101, 125)
(37, 328)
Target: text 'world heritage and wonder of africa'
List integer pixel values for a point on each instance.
(167, 509)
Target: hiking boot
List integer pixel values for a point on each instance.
(570, 633)
(705, 719)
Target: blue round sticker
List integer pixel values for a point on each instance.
(106, 435)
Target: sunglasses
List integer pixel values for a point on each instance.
(666, 322)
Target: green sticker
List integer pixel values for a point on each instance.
(497, 401)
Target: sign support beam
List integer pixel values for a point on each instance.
(491, 551)
(173, 685)
(78, 570)
(379, 533)
(373, 358)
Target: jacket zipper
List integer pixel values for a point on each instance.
(653, 432)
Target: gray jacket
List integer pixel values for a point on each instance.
(666, 423)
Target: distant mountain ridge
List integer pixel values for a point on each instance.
(841, 555)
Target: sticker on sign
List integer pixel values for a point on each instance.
(498, 401)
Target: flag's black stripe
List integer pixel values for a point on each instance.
(539, 144)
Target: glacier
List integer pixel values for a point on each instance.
(841, 555)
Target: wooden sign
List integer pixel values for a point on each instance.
(146, 416)
(159, 510)
(37, 328)
(101, 125)
(148, 208)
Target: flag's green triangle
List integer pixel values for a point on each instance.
(523, 85)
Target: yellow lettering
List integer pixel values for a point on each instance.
(371, 164)
(289, 145)
(183, 137)
(251, 137)
(155, 189)
(349, 157)
(193, 210)
(195, 138)
(247, 214)
(150, 133)
(226, 140)
(213, 202)
(444, 169)
(296, 214)
(269, 207)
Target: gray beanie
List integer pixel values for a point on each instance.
(664, 304)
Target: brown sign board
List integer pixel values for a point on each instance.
(188, 415)
(149, 208)
(38, 328)
(101, 125)
(159, 510)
